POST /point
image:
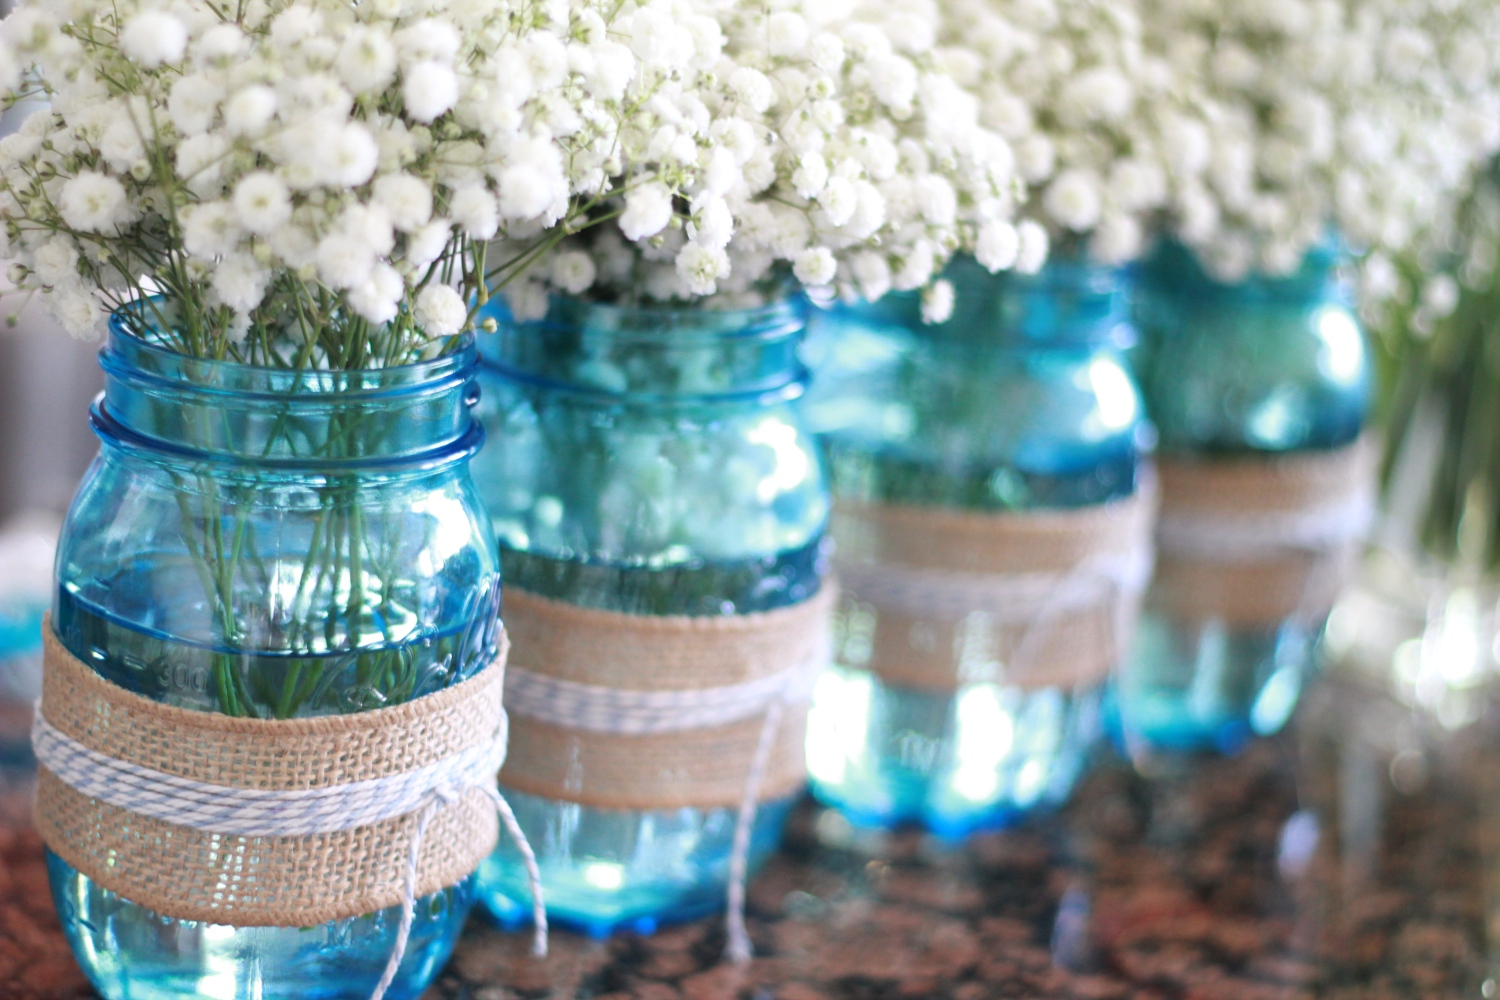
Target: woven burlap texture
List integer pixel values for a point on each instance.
(1287, 582)
(191, 874)
(939, 651)
(702, 768)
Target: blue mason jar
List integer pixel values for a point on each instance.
(1260, 392)
(646, 464)
(976, 464)
(273, 544)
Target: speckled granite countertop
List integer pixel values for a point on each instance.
(1353, 858)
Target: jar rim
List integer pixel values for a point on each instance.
(999, 311)
(685, 323)
(118, 436)
(142, 360)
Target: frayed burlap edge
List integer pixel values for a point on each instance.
(1074, 649)
(698, 768)
(190, 874)
(1287, 583)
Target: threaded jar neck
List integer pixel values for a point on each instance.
(641, 356)
(177, 407)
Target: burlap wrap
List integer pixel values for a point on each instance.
(936, 597)
(1255, 542)
(190, 874)
(700, 767)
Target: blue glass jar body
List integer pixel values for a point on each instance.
(1019, 403)
(1263, 368)
(648, 462)
(273, 544)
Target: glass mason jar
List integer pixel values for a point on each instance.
(1016, 411)
(273, 544)
(647, 462)
(1266, 373)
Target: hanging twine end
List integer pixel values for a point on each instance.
(739, 951)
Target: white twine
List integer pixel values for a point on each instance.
(571, 705)
(1027, 600)
(250, 812)
(1008, 598)
(1248, 537)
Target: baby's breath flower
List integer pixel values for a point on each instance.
(153, 37)
(249, 159)
(262, 202)
(648, 209)
(832, 146)
(441, 311)
(700, 268)
(93, 202)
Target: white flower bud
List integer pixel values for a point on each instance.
(93, 203)
(239, 282)
(367, 60)
(249, 111)
(430, 89)
(574, 271)
(1073, 200)
(786, 33)
(406, 200)
(648, 210)
(815, 267)
(154, 37)
(1035, 246)
(262, 202)
(997, 246)
(476, 212)
(752, 86)
(440, 311)
(700, 268)
(937, 302)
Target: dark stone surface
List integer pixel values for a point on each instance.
(1350, 858)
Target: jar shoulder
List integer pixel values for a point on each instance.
(1237, 373)
(883, 397)
(583, 479)
(274, 563)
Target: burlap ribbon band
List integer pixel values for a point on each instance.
(937, 597)
(651, 727)
(1257, 541)
(189, 873)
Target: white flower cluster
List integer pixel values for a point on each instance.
(315, 173)
(1105, 133)
(1367, 116)
(830, 142)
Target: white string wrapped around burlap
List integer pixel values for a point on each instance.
(1256, 541)
(1055, 592)
(286, 823)
(651, 712)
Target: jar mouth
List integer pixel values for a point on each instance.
(613, 354)
(173, 407)
(664, 325)
(1071, 303)
(1174, 269)
(131, 356)
(784, 389)
(122, 438)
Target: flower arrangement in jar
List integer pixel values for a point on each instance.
(277, 588)
(655, 492)
(1341, 134)
(993, 510)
